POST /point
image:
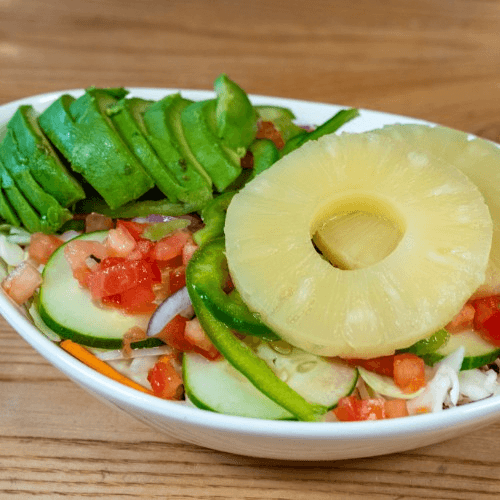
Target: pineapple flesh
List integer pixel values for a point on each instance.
(403, 294)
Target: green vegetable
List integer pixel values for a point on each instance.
(42, 159)
(165, 133)
(282, 119)
(214, 217)
(85, 135)
(208, 274)
(136, 208)
(430, 344)
(221, 163)
(265, 154)
(127, 116)
(155, 232)
(53, 215)
(330, 126)
(235, 116)
(252, 367)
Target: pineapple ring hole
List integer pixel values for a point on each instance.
(357, 230)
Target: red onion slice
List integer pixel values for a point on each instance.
(167, 310)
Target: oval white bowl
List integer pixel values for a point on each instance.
(244, 436)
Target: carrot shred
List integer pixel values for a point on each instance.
(86, 357)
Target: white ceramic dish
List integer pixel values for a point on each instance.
(253, 437)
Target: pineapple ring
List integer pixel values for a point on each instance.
(436, 266)
(478, 159)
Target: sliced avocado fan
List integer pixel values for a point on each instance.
(45, 165)
(85, 135)
(128, 117)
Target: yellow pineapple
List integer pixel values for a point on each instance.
(439, 258)
(477, 158)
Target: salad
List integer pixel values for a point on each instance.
(218, 254)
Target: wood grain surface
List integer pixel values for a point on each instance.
(437, 60)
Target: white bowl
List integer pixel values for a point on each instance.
(246, 436)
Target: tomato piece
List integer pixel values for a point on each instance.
(173, 334)
(115, 275)
(142, 250)
(188, 251)
(77, 252)
(353, 409)
(21, 283)
(383, 365)
(164, 379)
(42, 246)
(177, 279)
(396, 408)
(371, 409)
(195, 334)
(137, 300)
(487, 318)
(409, 372)
(464, 320)
(120, 242)
(134, 228)
(267, 130)
(347, 409)
(171, 246)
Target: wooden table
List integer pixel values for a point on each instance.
(434, 60)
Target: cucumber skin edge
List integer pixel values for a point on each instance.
(89, 341)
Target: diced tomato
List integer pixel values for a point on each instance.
(119, 242)
(173, 334)
(42, 246)
(171, 246)
(137, 300)
(267, 130)
(22, 282)
(77, 252)
(409, 372)
(115, 275)
(463, 320)
(188, 251)
(353, 409)
(396, 408)
(134, 228)
(177, 279)
(195, 334)
(487, 318)
(142, 250)
(383, 365)
(347, 409)
(164, 379)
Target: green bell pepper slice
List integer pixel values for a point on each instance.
(206, 275)
(213, 215)
(243, 359)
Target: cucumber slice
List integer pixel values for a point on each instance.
(317, 379)
(217, 386)
(67, 308)
(385, 385)
(478, 352)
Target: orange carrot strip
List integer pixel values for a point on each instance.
(86, 357)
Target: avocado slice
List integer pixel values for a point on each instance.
(28, 217)
(127, 117)
(85, 135)
(220, 162)
(44, 163)
(46, 205)
(235, 116)
(164, 131)
(6, 211)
